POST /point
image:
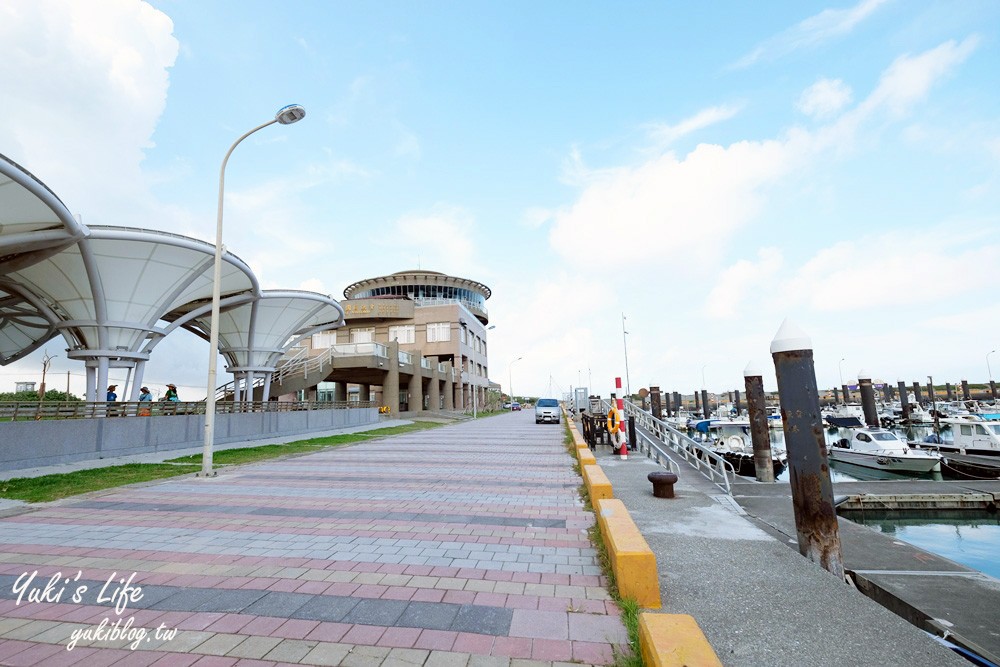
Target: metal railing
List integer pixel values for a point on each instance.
(37, 410)
(718, 470)
(405, 358)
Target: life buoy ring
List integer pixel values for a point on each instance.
(614, 420)
(735, 443)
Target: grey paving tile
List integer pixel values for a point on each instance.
(428, 615)
(483, 620)
(325, 608)
(277, 603)
(376, 612)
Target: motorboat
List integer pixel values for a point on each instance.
(880, 449)
(731, 440)
(970, 434)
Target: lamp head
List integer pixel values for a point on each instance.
(293, 113)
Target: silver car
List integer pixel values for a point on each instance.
(547, 410)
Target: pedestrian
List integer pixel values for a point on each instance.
(112, 396)
(145, 397)
(171, 394)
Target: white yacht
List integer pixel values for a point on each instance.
(970, 434)
(881, 450)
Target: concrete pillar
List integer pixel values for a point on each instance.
(759, 434)
(340, 392)
(91, 384)
(654, 402)
(965, 391)
(917, 394)
(434, 390)
(364, 392)
(868, 399)
(805, 439)
(449, 389)
(416, 387)
(390, 386)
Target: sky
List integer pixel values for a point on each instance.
(692, 174)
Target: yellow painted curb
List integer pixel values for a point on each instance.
(585, 457)
(632, 560)
(598, 484)
(674, 640)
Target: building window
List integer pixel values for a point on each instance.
(404, 333)
(363, 335)
(324, 339)
(438, 332)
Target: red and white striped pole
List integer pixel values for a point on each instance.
(622, 440)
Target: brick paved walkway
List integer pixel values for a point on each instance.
(461, 545)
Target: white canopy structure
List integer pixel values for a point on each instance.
(115, 292)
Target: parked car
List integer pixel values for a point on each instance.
(547, 410)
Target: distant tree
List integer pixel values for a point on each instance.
(50, 395)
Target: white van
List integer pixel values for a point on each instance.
(547, 410)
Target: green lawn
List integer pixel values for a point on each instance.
(53, 487)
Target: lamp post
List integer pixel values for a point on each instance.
(988, 369)
(510, 384)
(285, 116)
(840, 367)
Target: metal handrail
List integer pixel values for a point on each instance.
(717, 469)
(38, 410)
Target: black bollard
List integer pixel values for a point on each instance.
(760, 436)
(805, 439)
(965, 391)
(836, 396)
(697, 404)
(904, 400)
(951, 394)
(847, 394)
(868, 398)
(669, 406)
(706, 407)
(631, 434)
(654, 393)
(739, 408)
(678, 403)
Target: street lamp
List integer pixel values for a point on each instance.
(628, 384)
(988, 369)
(285, 116)
(840, 367)
(510, 383)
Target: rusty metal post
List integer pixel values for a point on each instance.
(917, 394)
(836, 396)
(904, 400)
(890, 393)
(805, 440)
(965, 391)
(931, 394)
(739, 408)
(654, 402)
(706, 407)
(993, 389)
(847, 393)
(669, 405)
(631, 434)
(868, 398)
(951, 393)
(678, 402)
(697, 405)
(760, 436)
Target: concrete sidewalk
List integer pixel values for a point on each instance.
(758, 601)
(461, 545)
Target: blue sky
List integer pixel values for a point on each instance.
(706, 169)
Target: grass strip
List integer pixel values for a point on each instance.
(631, 657)
(53, 487)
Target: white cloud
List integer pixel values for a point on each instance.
(106, 70)
(665, 135)
(535, 217)
(441, 237)
(824, 98)
(822, 27)
(729, 296)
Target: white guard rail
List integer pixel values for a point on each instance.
(705, 461)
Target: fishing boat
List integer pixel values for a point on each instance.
(880, 449)
(970, 434)
(731, 440)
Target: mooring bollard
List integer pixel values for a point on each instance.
(805, 440)
(760, 437)
(868, 398)
(663, 483)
